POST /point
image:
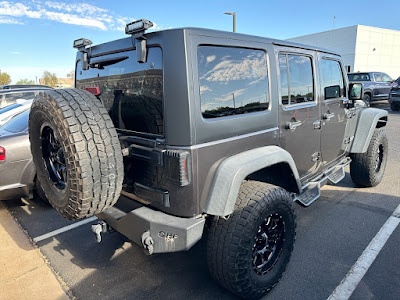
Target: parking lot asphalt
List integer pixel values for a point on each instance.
(332, 234)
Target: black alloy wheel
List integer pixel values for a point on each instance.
(54, 158)
(248, 251)
(379, 158)
(268, 243)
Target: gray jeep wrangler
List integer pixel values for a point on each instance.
(204, 131)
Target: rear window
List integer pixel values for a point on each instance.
(18, 123)
(132, 92)
(232, 81)
(359, 77)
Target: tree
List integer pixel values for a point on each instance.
(4, 78)
(25, 81)
(50, 79)
(71, 74)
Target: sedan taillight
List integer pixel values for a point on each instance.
(2, 154)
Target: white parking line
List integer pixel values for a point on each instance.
(349, 283)
(63, 229)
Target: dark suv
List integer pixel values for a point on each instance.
(377, 85)
(203, 129)
(394, 99)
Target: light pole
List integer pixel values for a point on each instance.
(234, 19)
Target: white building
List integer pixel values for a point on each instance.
(363, 48)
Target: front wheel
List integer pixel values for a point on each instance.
(367, 169)
(248, 252)
(367, 100)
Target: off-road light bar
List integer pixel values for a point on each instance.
(138, 27)
(82, 43)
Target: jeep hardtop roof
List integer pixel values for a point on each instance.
(127, 43)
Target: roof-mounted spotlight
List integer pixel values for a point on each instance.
(137, 29)
(81, 44)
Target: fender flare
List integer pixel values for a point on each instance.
(368, 91)
(233, 170)
(367, 122)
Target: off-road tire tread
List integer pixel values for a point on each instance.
(40, 193)
(91, 147)
(362, 168)
(228, 238)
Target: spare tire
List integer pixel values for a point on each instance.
(76, 152)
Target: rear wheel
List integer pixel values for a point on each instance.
(76, 152)
(367, 169)
(248, 252)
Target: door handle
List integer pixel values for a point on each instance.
(328, 116)
(293, 125)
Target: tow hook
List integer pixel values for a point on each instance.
(98, 229)
(147, 243)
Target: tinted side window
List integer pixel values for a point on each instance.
(296, 79)
(332, 79)
(132, 92)
(232, 81)
(378, 77)
(359, 77)
(386, 77)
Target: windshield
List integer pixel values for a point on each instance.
(17, 124)
(16, 97)
(359, 77)
(9, 107)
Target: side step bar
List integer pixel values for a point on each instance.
(156, 231)
(312, 190)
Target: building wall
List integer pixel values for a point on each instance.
(342, 40)
(378, 49)
(363, 48)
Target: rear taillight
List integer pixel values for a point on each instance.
(94, 90)
(2, 154)
(179, 167)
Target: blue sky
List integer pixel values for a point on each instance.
(37, 35)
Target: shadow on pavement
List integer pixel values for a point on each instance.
(332, 233)
(4, 224)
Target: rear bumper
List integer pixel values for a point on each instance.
(14, 191)
(156, 231)
(394, 97)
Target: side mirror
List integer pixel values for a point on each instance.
(331, 92)
(356, 91)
